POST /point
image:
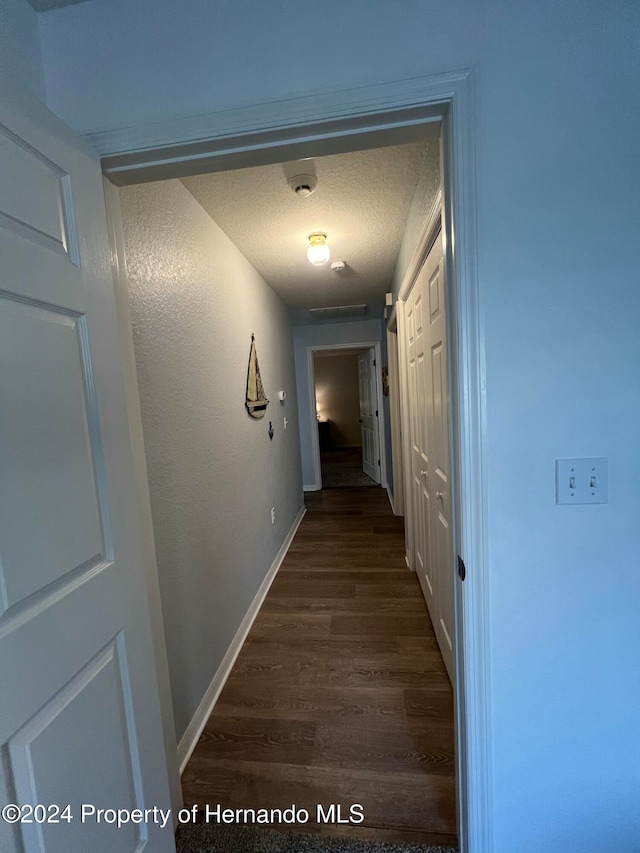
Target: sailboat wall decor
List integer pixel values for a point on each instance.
(256, 398)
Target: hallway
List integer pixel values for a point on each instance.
(339, 694)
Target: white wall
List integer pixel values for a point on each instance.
(213, 472)
(558, 184)
(324, 334)
(20, 54)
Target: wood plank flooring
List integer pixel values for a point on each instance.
(339, 694)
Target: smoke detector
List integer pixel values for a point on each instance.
(303, 185)
(338, 266)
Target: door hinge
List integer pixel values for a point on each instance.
(374, 362)
(376, 413)
(378, 463)
(462, 569)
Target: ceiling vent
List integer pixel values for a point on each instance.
(339, 312)
(303, 185)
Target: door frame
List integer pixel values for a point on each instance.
(375, 346)
(366, 117)
(396, 494)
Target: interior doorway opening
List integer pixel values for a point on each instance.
(366, 117)
(349, 423)
(367, 460)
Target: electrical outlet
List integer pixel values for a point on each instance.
(273, 515)
(582, 481)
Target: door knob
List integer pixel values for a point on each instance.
(423, 473)
(440, 494)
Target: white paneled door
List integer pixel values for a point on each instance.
(79, 713)
(368, 390)
(417, 375)
(438, 432)
(428, 407)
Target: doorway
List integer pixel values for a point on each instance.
(345, 387)
(344, 460)
(393, 108)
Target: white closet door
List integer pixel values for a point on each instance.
(428, 407)
(438, 428)
(417, 364)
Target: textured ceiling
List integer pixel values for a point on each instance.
(361, 203)
(45, 5)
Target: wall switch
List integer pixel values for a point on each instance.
(273, 515)
(285, 423)
(582, 481)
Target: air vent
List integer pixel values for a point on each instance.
(339, 312)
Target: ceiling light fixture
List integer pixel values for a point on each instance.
(318, 252)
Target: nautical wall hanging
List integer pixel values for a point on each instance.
(256, 398)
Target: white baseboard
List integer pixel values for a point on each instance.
(191, 736)
(314, 488)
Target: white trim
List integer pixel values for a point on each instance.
(255, 134)
(405, 433)
(190, 738)
(313, 414)
(320, 124)
(382, 432)
(377, 348)
(397, 453)
(473, 725)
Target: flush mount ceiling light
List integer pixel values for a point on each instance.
(318, 252)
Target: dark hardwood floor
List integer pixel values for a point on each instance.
(339, 694)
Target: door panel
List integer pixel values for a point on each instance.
(369, 415)
(48, 456)
(91, 711)
(438, 421)
(81, 720)
(419, 394)
(35, 195)
(428, 408)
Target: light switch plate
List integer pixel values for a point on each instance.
(582, 481)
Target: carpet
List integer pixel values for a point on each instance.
(209, 838)
(338, 476)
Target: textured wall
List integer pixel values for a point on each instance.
(337, 393)
(323, 334)
(20, 54)
(213, 472)
(423, 198)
